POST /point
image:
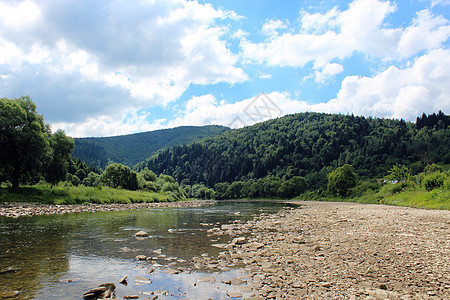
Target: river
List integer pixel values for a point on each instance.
(62, 256)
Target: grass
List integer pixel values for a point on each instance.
(410, 196)
(61, 194)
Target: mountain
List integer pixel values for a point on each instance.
(133, 148)
(308, 145)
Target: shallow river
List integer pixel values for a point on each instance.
(62, 256)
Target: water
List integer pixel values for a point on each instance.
(62, 256)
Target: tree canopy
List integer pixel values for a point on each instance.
(27, 148)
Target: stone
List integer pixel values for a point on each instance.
(123, 280)
(141, 257)
(234, 294)
(6, 295)
(105, 290)
(131, 297)
(144, 280)
(141, 234)
(238, 241)
(207, 279)
(172, 271)
(237, 281)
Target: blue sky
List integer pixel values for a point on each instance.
(102, 68)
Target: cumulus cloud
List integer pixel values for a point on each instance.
(397, 93)
(82, 60)
(394, 93)
(336, 35)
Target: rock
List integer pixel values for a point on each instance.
(123, 280)
(131, 297)
(207, 279)
(234, 294)
(223, 246)
(105, 290)
(141, 257)
(237, 281)
(144, 280)
(239, 240)
(141, 234)
(326, 284)
(172, 271)
(159, 251)
(6, 295)
(255, 246)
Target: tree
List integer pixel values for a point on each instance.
(62, 146)
(118, 175)
(292, 187)
(341, 180)
(399, 173)
(24, 142)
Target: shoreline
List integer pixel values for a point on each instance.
(22, 209)
(340, 250)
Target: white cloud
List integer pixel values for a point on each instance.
(81, 61)
(397, 93)
(336, 35)
(328, 71)
(393, 93)
(271, 27)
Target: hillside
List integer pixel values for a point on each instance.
(308, 145)
(133, 148)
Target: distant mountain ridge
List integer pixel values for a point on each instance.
(133, 148)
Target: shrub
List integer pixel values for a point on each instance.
(433, 181)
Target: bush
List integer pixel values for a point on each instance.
(433, 181)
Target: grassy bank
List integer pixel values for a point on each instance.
(411, 197)
(61, 194)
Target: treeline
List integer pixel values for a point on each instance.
(306, 145)
(133, 148)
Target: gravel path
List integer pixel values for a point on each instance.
(329, 250)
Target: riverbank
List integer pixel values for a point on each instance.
(19, 209)
(335, 250)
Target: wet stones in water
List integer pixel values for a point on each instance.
(140, 235)
(9, 295)
(123, 280)
(105, 290)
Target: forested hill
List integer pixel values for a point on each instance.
(309, 145)
(133, 148)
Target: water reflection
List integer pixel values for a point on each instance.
(41, 255)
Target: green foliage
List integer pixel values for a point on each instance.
(134, 148)
(119, 176)
(92, 180)
(342, 180)
(62, 146)
(24, 141)
(434, 181)
(365, 187)
(66, 194)
(399, 173)
(433, 168)
(292, 187)
(309, 145)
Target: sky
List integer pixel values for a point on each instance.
(105, 68)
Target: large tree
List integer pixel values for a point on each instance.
(24, 143)
(62, 146)
(27, 146)
(342, 180)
